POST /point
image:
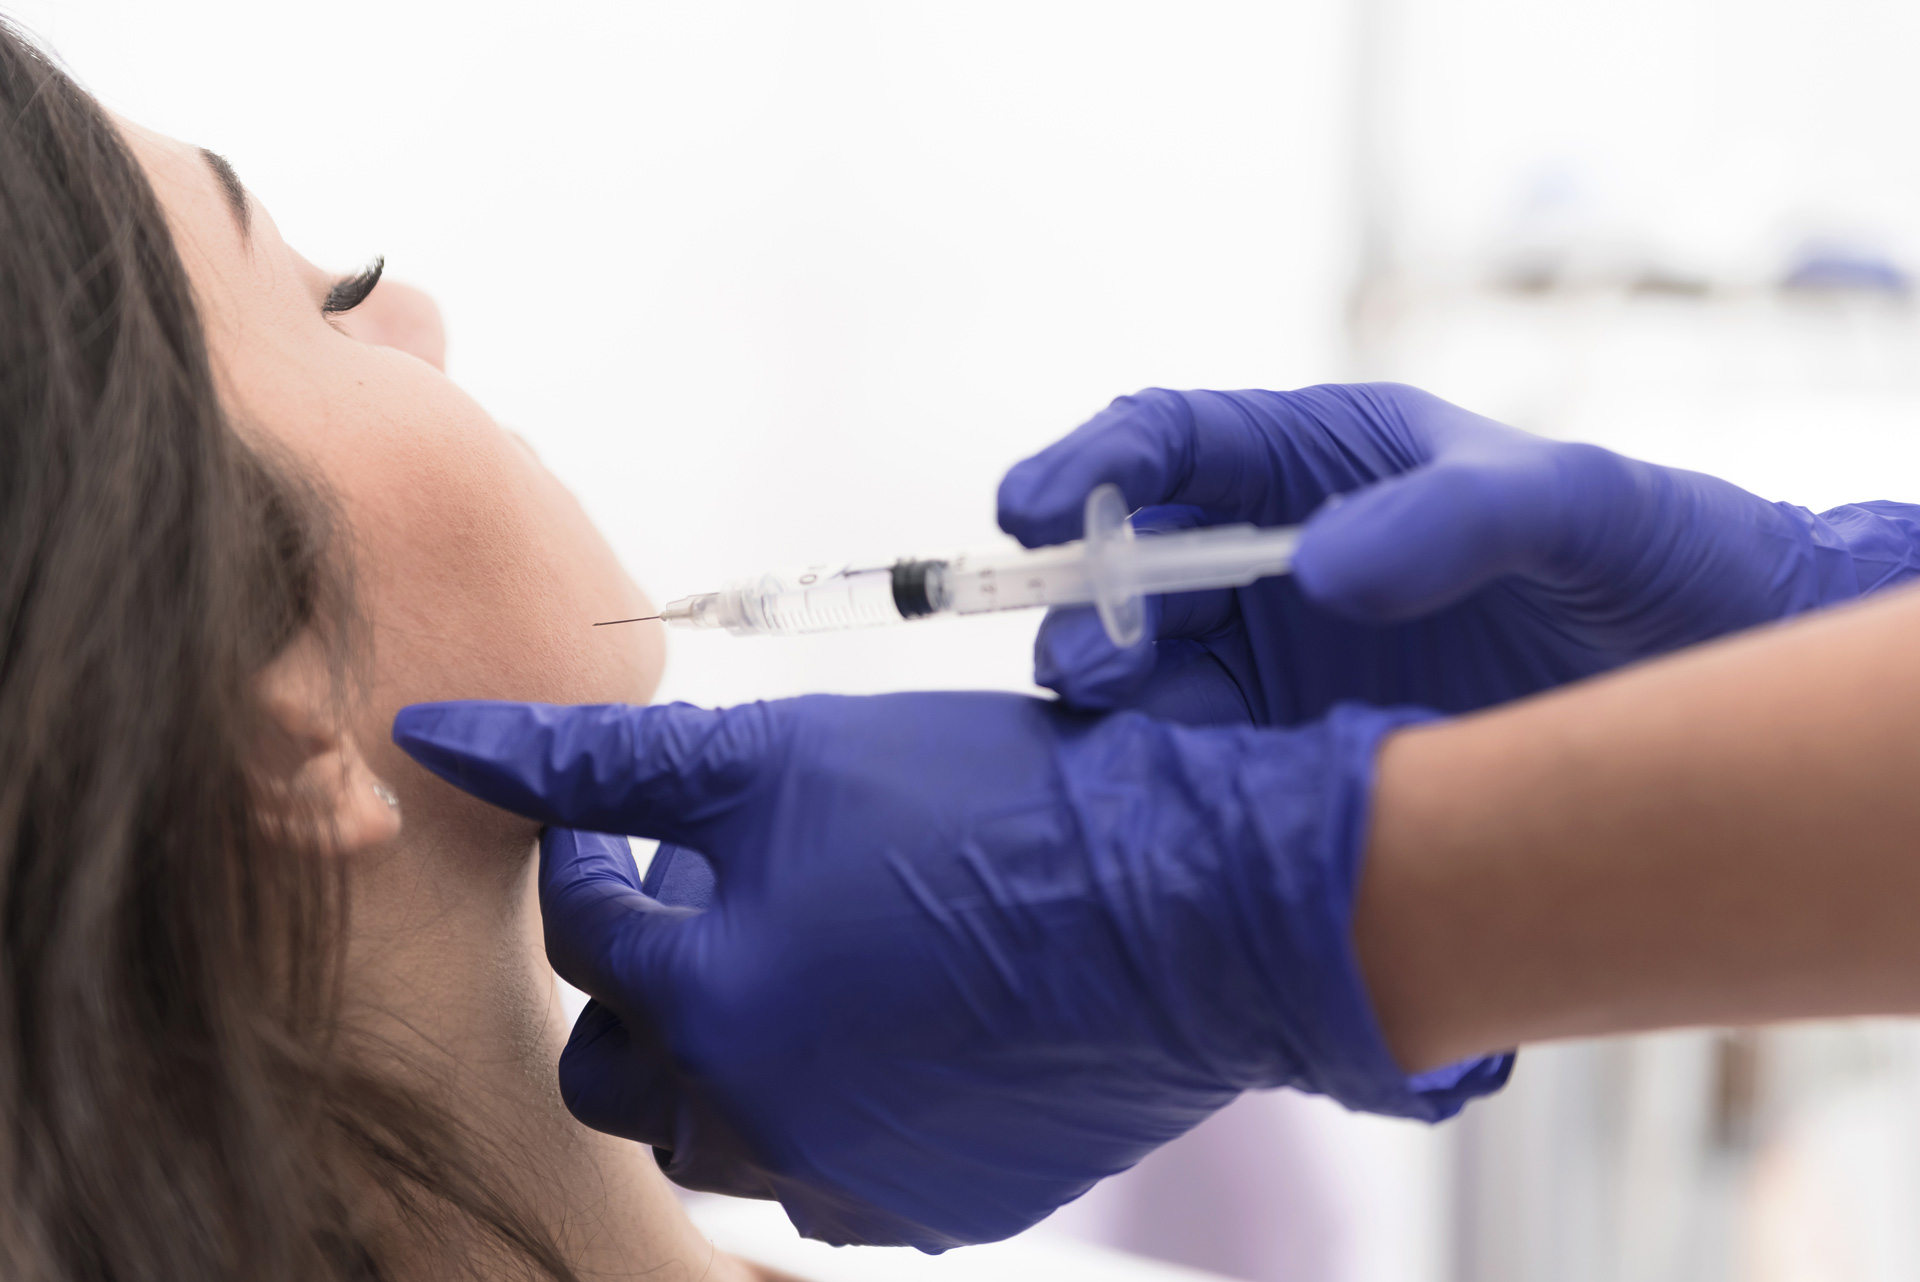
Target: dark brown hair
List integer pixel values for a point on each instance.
(175, 1098)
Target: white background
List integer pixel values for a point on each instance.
(775, 283)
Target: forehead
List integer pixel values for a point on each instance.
(162, 156)
(185, 183)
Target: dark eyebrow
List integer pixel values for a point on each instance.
(235, 190)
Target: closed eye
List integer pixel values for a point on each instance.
(350, 293)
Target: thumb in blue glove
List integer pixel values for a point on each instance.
(966, 954)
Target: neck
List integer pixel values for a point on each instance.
(446, 966)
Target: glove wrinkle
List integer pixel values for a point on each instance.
(931, 1014)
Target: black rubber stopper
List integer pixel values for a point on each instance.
(910, 588)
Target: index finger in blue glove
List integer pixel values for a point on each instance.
(675, 772)
(1158, 446)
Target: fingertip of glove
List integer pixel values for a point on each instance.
(1374, 556)
(416, 722)
(597, 1027)
(1074, 657)
(420, 731)
(608, 1085)
(1332, 579)
(1023, 511)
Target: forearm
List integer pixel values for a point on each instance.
(1728, 835)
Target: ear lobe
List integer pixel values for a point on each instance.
(313, 777)
(348, 808)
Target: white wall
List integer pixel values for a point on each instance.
(1705, 131)
(770, 283)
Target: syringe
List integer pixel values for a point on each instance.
(1109, 569)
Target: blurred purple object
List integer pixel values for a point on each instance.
(1832, 266)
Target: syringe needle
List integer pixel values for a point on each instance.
(645, 618)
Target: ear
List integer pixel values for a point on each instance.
(312, 772)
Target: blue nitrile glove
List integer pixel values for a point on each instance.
(1467, 563)
(966, 954)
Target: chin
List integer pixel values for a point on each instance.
(631, 673)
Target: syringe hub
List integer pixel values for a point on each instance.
(698, 611)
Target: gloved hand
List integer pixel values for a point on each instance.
(1465, 564)
(967, 953)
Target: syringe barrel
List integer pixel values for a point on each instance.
(823, 598)
(976, 583)
(816, 599)
(1218, 556)
(828, 598)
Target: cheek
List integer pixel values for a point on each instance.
(481, 574)
(535, 578)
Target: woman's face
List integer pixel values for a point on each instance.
(482, 579)
(481, 574)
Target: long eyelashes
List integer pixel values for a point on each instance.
(349, 294)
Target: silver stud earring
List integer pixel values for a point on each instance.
(385, 794)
